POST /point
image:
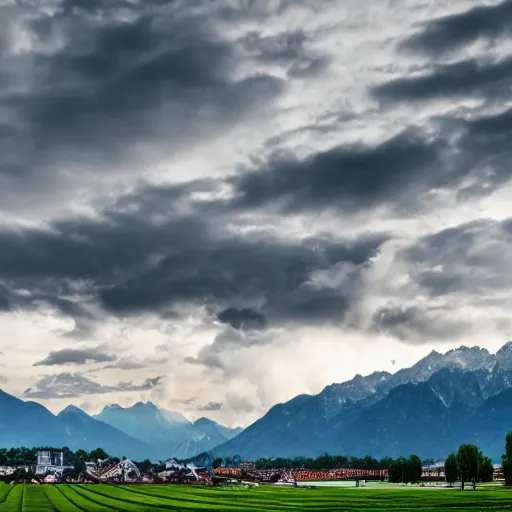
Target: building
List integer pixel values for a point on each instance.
(248, 465)
(50, 461)
(50, 458)
(433, 472)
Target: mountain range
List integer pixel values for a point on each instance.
(139, 432)
(168, 431)
(464, 395)
(430, 408)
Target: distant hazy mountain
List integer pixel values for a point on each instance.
(429, 408)
(88, 433)
(26, 423)
(203, 436)
(169, 433)
(138, 432)
(146, 422)
(31, 424)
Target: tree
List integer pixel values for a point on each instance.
(451, 468)
(485, 469)
(398, 470)
(217, 463)
(98, 454)
(506, 460)
(467, 459)
(414, 469)
(145, 466)
(79, 466)
(385, 462)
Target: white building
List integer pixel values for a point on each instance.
(50, 461)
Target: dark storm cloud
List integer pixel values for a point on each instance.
(112, 86)
(242, 318)
(70, 385)
(472, 259)
(475, 144)
(233, 270)
(466, 266)
(75, 356)
(468, 78)
(415, 324)
(346, 177)
(5, 300)
(452, 32)
(485, 152)
(492, 126)
(133, 263)
(211, 406)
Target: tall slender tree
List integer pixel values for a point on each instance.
(414, 469)
(451, 468)
(506, 460)
(467, 458)
(485, 469)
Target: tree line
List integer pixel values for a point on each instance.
(468, 465)
(404, 470)
(325, 461)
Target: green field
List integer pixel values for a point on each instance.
(108, 498)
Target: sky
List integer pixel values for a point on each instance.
(217, 206)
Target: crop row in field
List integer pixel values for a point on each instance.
(154, 498)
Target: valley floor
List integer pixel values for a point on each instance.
(108, 498)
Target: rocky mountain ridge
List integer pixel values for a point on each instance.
(429, 408)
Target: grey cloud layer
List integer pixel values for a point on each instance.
(465, 266)
(449, 33)
(469, 259)
(70, 385)
(106, 88)
(96, 87)
(75, 356)
(348, 177)
(179, 259)
(211, 406)
(466, 78)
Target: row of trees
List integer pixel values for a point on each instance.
(468, 465)
(325, 461)
(404, 470)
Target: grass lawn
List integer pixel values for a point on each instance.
(108, 498)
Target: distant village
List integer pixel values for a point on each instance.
(52, 467)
